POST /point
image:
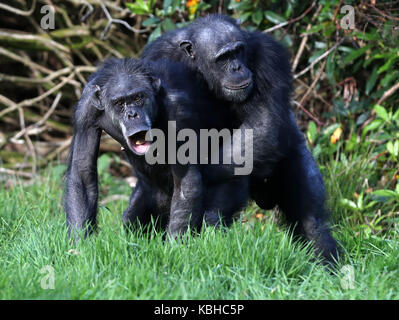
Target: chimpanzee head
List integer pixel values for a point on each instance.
(217, 48)
(126, 93)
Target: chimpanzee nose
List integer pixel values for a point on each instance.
(133, 115)
(237, 67)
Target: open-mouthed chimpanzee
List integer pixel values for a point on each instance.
(128, 99)
(251, 73)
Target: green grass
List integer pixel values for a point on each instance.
(252, 260)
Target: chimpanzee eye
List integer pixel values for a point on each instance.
(137, 98)
(119, 103)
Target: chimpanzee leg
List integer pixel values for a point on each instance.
(302, 201)
(140, 205)
(223, 200)
(187, 201)
(266, 192)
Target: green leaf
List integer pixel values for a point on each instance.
(387, 64)
(371, 81)
(239, 6)
(348, 204)
(389, 77)
(316, 151)
(315, 29)
(373, 125)
(257, 17)
(344, 161)
(386, 193)
(155, 34)
(351, 143)
(244, 17)
(320, 45)
(202, 6)
(368, 36)
(151, 22)
(393, 147)
(359, 200)
(138, 8)
(166, 5)
(312, 131)
(151, 4)
(329, 29)
(355, 54)
(287, 41)
(371, 57)
(381, 112)
(330, 68)
(175, 5)
(345, 49)
(168, 25)
(274, 17)
(362, 118)
(330, 129)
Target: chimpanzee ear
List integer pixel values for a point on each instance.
(187, 46)
(156, 84)
(97, 98)
(92, 95)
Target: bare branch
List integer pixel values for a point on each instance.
(388, 93)
(16, 173)
(24, 61)
(34, 39)
(112, 20)
(325, 54)
(18, 11)
(41, 121)
(285, 23)
(28, 102)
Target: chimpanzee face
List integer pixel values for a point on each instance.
(130, 102)
(219, 53)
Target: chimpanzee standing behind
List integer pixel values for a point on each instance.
(251, 72)
(126, 99)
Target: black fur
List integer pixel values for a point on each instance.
(126, 97)
(258, 69)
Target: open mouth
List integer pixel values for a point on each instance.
(138, 143)
(239, 86)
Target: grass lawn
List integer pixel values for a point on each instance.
(255, 259)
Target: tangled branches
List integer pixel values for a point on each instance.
(43, 71)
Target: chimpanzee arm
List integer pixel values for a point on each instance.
(82, 185)
(187, 201)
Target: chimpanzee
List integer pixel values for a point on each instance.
(251, 73)
(126, 98)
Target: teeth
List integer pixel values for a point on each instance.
(139, 142)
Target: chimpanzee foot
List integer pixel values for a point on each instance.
(325, 245)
